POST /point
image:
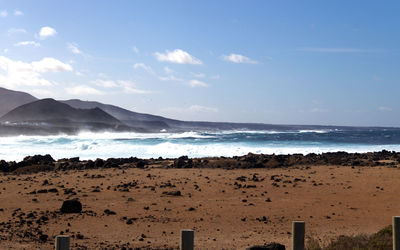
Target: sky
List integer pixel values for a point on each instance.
(278, 62)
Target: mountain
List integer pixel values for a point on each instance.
(10, 99)
(71, 116)
(130, 118)
(154, 123)
(50, 116)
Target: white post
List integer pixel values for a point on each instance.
(187, 239)
(62, 242)
(396, 232)
(298, 234)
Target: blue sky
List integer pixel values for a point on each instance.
(281, 62)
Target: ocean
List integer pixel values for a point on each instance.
(88, 145)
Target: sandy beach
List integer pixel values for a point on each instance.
(228, 209)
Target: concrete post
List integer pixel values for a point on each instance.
(62, 242)
(187, 239)
(396, 232)
(298, 234)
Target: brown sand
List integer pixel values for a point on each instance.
(332, 200)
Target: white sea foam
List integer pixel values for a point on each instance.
(106, 145)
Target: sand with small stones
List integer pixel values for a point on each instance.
(228, 209)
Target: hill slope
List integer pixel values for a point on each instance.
(134, 119)
(156, 123)
(10, 99)
(50, 110)
(49, 116)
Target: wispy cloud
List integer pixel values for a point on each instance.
(83, 90)
(334, 50)
(105, 83)
(135, 49)
(126, 86)
(177, 56)
(129, 87)
(143, 66)
(168, 70)
(27, 43)
(170, 78)
(197, 83)
(191, 109)
(318, 110)
(198, 75)
(237, 58)
(18, 13)
(3, 13)
(199, 108)
(46, 32)
(12, 31)
(73, 47)
(385, 109)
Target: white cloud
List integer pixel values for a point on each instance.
(199, 108)
(3, 13)
(170, 78)
(237, 58)
(318, 110)
(73, 47)
(105, 83)
(27, 43)
(47, 32)
(197, 83)
(16, 31)
(130, 88)
(385, 109)
(18, 13)
(135, 49)
(177, 56)
(5, 51)
(49, 64)
(126, 86)
(42, 93)
(143, 66)
(18, 73)
(83, 90)
(168, 70)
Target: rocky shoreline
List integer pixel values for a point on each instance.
(39, 163)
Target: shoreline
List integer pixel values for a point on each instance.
(38, 163)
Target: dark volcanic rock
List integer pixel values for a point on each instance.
(183, 162)
(38, 159)
(270, 246)
(71, 206)
(172, 193)
(109, 212)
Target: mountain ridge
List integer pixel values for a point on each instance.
(49, 116)
(10, 99)
(129, 120)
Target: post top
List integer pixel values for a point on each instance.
(187, 230)
(62, 236)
